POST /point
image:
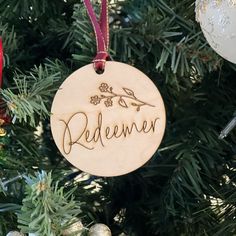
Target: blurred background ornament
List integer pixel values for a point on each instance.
(3, 132)
(218, 22)
(14, 233)
(99, 230)
(75, 229)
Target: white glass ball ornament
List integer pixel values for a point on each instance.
(218, 22)
(14, 233)
(99, 230)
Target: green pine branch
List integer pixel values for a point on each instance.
(47, 210)
(29, 101)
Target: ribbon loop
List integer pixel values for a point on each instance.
(101, 30)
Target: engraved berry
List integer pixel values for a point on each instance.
(104, 87)
(108, 102)
(95, 100)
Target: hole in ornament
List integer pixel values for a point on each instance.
(100, 71)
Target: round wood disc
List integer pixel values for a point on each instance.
(108, 124)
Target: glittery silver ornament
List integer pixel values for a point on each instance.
(74, 229)
(14, 233)
(99, 230)
(218, 22)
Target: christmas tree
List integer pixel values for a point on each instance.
(188, 187)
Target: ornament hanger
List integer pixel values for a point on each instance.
(101, 30)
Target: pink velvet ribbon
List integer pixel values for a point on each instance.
(101, 30)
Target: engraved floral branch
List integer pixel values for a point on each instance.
(109, 95)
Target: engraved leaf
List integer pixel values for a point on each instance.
(122, 103)
(134, 104)
(129, 92)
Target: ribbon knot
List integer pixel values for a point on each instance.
(100, 61)
(101, 30)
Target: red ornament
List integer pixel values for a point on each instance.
(1, 61)
(5, 119)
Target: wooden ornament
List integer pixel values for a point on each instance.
(108, 124)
